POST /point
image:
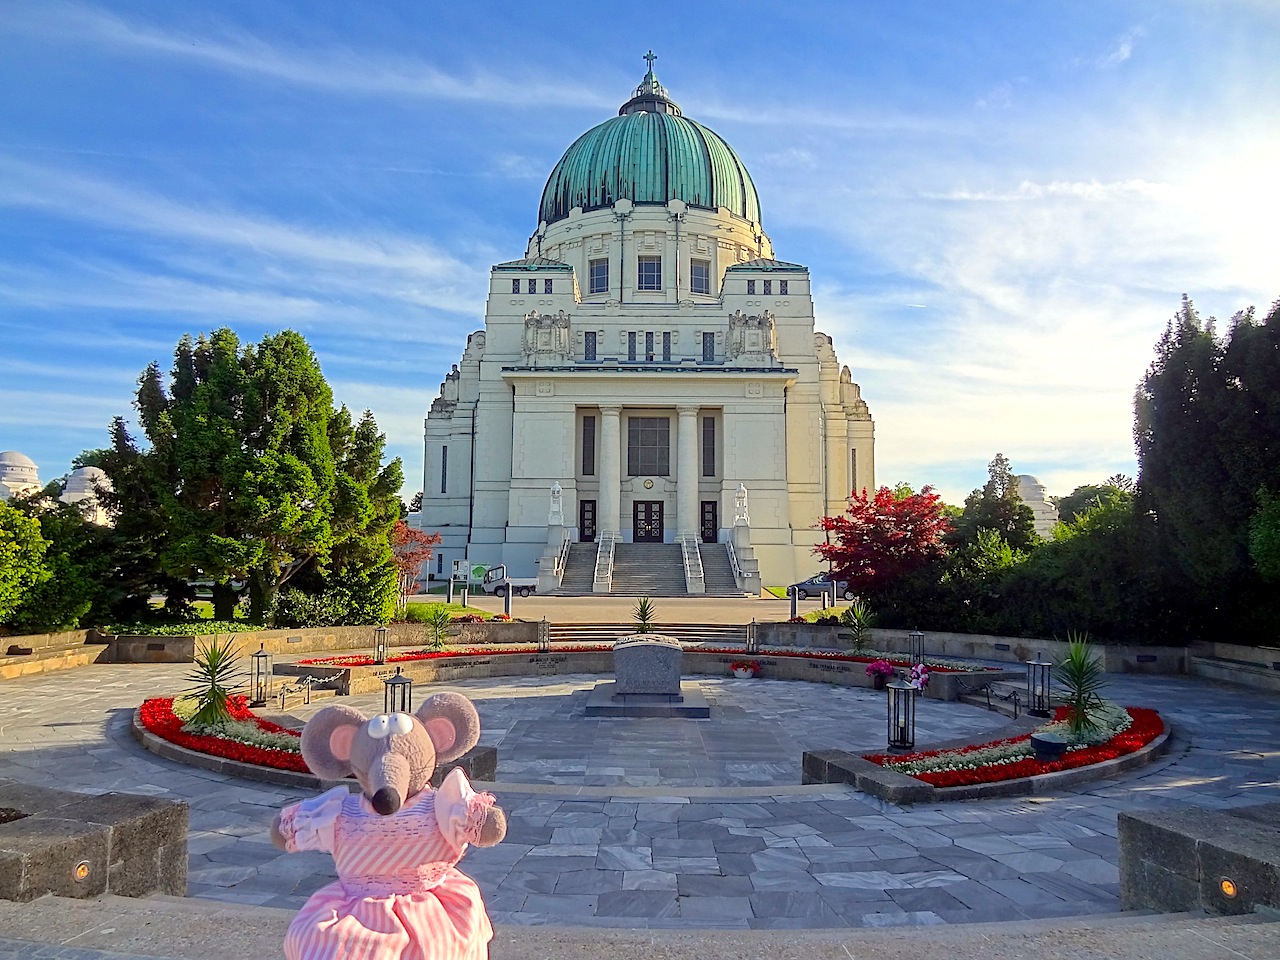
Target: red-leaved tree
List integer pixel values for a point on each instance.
(884, 537)
(412, 548)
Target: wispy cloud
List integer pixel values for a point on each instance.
(335, 69)
(1123, 49)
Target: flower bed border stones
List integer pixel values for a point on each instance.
(479, 763)
(885, 783)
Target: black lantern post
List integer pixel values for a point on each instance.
(544, 636)
(753, 644)
(902, 715)
(397, 694)
(260, 677)
(916, 640)
(1038, 693)
(380, 645)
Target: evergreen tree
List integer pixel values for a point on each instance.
(997, 507)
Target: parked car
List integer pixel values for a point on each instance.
(818, 583)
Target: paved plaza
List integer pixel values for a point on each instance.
(726, 837)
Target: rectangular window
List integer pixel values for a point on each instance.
(546, 286)
(768, 288)
(700, 276)
(589, 446)
(853, 471)
(649, 446)
(708, 347)
(648, 345)
(589, 345)
(631, 345)
(444, 469)
(751, 288)
(708, 446)
(515, 286)
(598, 276)
(666, 345)
(649, 273)
(533, 286)
(782, 288)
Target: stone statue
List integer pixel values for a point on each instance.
(556, 517)
(740, 507)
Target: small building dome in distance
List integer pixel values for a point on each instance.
(1036, 496)
(81, 489)
(18, 475)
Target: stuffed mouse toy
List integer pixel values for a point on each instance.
(395, 843)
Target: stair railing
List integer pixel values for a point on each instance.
(694, 578)
(562, 558)
(602, 581)
(740, 576)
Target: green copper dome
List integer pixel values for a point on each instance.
(649, 153)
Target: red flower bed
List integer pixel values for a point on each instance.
(158, 717)
(364, 660)
(1146, 726)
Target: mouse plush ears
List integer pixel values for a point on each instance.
(452, 722)
(327, 739)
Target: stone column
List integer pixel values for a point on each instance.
(610, 469)
(687, 472)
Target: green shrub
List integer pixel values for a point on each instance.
(1081, 676)
(189, 628)
(859, 618)
(644, 615)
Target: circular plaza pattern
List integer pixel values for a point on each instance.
(755, 736)
(744, 856)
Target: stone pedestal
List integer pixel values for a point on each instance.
(647, 670)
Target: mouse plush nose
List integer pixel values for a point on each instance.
(386, 801)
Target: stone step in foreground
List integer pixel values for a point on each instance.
(186, 929)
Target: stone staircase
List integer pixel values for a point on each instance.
(579, 570)
(121, 928)
(717, 572)
(714, 633)
(648, 570)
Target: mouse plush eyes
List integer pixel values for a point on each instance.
(384, 726)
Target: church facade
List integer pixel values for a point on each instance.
(651, 356)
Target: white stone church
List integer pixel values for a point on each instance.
(652, 358)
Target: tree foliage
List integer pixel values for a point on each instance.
(997, 507)
(884, 537)
(22, 551)
(1207, 430)
(412, 548)
(251, 477)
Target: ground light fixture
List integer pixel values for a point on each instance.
(379, 644)
(902, 715)
(1038, 671)
(260, 671)
(397, 694)
(915, 640)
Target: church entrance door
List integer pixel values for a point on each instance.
(646, 521)
(710, 521)
(586, 520)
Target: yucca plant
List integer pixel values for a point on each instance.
(1081, 676)
(215, 675)
(437, 619)
(858, 617)
(644, 615)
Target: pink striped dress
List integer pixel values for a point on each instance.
(398, 895)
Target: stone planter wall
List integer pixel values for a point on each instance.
(1116, 658)
(357, 680)
(315, 640)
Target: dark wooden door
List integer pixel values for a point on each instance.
(710, 521)
(586, 520)
(646, 521)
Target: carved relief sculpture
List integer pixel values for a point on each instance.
(547, 338)
(752, 339)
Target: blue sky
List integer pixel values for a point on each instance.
(1000, 202)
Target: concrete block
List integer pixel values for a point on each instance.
(40, 854)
